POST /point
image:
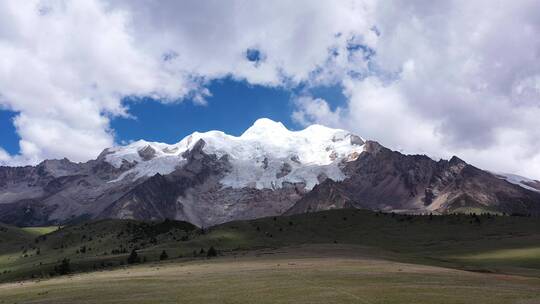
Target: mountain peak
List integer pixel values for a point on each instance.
(264, 126)
(258, 157)
(457, 161)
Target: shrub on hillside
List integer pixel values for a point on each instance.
(211, 252)
(133, 257)
(63, 268)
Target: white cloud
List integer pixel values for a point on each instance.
(61, 59)
(454, 77)
(65, 71)
(315, 109)
(4, 156)
(210, 38)
(464, 81)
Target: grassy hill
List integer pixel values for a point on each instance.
(328, 255)
(480, 243)
(11, 235)
(34, 252)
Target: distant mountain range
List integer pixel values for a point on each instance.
(211, 178)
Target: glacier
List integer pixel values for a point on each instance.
(266, 155)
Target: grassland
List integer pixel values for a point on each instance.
(331, 273)
(349, 256)
(38, 231)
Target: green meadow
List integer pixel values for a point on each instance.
(339, 256)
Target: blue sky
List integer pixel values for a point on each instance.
(232, 108)
(9, 140)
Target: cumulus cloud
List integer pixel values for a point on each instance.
(4, 156)
(59, 59)
(442, 78)
(459, 77)
(315, 109)
(64, 66)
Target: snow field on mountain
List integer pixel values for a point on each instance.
(265, 156)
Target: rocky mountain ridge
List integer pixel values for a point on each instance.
(210, 178)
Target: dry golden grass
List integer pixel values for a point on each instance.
(303, 274)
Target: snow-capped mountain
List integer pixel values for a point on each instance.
(265, 156)
(210, 178)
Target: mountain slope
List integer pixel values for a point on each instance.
(206, 178)
(487, 243)
(382, 179)
(210, 178)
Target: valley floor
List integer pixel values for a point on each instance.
(324, 273)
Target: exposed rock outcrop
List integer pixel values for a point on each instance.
(381, 179)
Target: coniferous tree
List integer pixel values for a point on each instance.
(211, 252)
(163, 255)
(63, 268)
(133, 257)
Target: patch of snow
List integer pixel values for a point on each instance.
(518, 180)
(256, 156)
(130, 153)
(162, 165)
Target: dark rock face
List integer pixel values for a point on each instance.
(533, 184)
(155, 198)
(325, 196)
(27, 212)
(356, 140)
(193, 193)
(284, 170)
(147, 153)
(381, 179)
(59, 191)
(44, 194)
